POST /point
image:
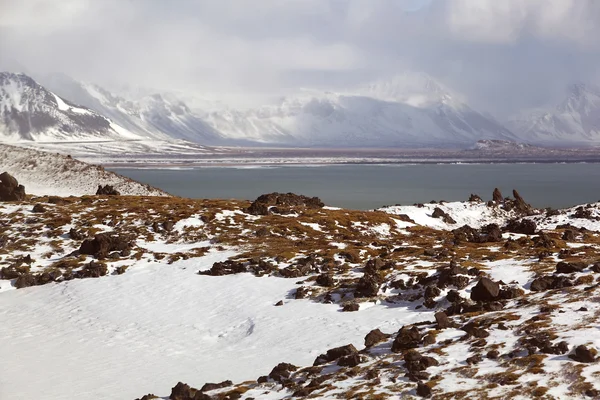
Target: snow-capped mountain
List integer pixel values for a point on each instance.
(406, 111)
(28, 111)
(156, 115)
(574, 121)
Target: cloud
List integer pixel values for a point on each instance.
(503, 55)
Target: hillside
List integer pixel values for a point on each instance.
(402, 302)
(54, 174)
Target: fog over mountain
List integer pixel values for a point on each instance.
(504, 57)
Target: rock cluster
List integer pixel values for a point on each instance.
(107, 190)
(282, 203)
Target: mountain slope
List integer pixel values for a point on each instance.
(30, 112)
(574, 121)
(158, 116)
(403, 112)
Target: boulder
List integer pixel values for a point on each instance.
(497, 196)
(374, 337)
(407, 338)
(367, 286)
(568, 268)
(335, 354)
(442, 320)
(423, 390)
(282, 372)
(439, 213)
(10, 190)
(583, 354)
(485, 290)
(523, 226)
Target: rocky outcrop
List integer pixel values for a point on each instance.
(104, 243)
(10, 190)
(107, 190)
(283, 203)
(439, 213)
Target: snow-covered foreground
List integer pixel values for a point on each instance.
(110, 303)
(119, 336)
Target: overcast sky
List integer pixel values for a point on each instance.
(502, 55)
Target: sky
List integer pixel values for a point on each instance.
(502, 56)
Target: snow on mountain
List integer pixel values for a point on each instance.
(30, 112)
(53, 174)
(159, 116)
(574, 121)
(402, 112)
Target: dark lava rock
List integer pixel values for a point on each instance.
(568, 268)
(38, 208)
(26, 280)
(442, 320)
(279, 303)
(349, 361)
(213, 386)
(453, 296)
(475, 198)
(489, 233)
(374, 337)
(485, 290)
(75, 234)
(104, 243)
(520, 204)
(583, 354)
(423, 390)
(580, 212)
(282, 372)
(523, 226)
(550, 282)
(497, 196)
(325, 280)
(181, 391)
(473, 360)
(544, 240)
(432, 291)
(493, 354)
(92, 270)
(351, 307)
(511, 293)
(367, 286)
(407, 338)
(107, 190)
(10, 190)
(439, 213)
(569, 235)
(227, 267)
(282, 203)
(301, 293)
(335, 354)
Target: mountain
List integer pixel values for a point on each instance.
(156, 115)
(30, 112)
(406, 111)
(575, 121)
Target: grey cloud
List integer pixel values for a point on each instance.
(502, 55)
